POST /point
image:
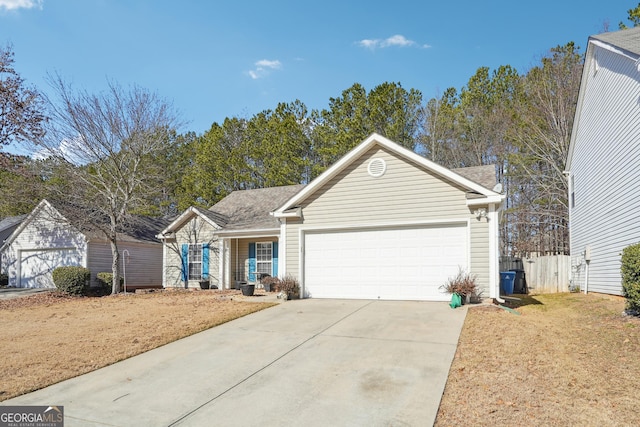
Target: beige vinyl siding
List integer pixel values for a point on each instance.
(292, 254)
(605, 170)
(480, 260)
(173, 265)
(46, 230)
(199, 231)
(143, 265)
(405, 194)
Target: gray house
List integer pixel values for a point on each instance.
(603, 161)
(383, 222)
(45, 240)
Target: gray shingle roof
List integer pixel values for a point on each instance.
(8, 224)
(250, 209)
(483, 175)
(628, 40)
(140, 229)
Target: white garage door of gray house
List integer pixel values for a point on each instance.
(401, 263)
(36, 265)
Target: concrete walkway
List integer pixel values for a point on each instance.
(8, 293)
(307, 362)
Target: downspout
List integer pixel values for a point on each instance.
(587, 261)
(494, 241)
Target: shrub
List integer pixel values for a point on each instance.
(290, 286)
(105, 281)
(4, 280)
(72, 280)
(270, 282)
(630, 271)
(462, 284)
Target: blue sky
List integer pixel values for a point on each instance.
(217, 59)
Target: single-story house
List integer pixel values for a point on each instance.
(45, 240)
(603, 162)
(381, 223)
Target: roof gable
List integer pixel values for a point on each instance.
(625, 43)
(44, 204)
(480, 173)
(214, 219)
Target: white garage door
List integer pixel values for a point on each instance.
(36, 266)
(394, 263)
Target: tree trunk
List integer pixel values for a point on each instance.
(115, 264)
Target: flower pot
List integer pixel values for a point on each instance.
(248, 290)
(204, 284)
(267, 287)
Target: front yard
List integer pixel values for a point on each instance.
(568, 359)
(47, 338)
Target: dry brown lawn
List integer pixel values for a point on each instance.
(568, 359)
(46, 338)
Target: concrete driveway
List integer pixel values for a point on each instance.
(307, 362)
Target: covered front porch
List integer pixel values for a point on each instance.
(247, 259)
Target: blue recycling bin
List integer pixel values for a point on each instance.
(507, 279)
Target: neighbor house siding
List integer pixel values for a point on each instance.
(142, 264)
(405, 194)
(604, 169)
(46, 230)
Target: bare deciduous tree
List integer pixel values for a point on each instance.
(105, 146)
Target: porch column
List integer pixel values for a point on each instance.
(223, 267)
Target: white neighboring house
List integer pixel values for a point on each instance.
(603, 164)
(45, 240)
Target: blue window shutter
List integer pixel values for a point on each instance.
(252, 262)
(274, 263)
(205, 261)
(185, 262)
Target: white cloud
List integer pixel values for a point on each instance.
(71, 150)
(397, 40)
(20, 4)
(263, 67)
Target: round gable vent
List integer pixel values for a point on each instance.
(377, 167)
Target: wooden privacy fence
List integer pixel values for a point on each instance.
(548, 274)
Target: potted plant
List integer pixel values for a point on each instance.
(270, 283)
(463, 284)
(288, 286)
(247, 289)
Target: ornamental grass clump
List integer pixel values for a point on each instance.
(462, 284)
(289, 285)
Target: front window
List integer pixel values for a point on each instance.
(195, 262)
(264, 258)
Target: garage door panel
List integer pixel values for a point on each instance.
(36, 266)
(401, 263)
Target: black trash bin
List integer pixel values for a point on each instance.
(520, 282)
